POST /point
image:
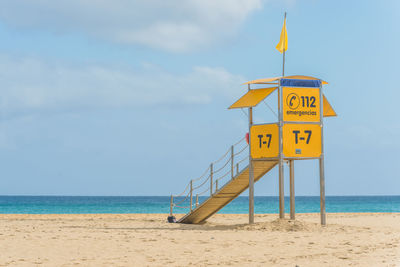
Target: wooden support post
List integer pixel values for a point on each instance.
(281, 179)
(171, 205)
(211, 179)
(191, 195)
(197, 200)
(237, 168)
(292, 203)
(281, 192)
(216, 185)
(251, 170)
(321, 163)
(232, 163)
(251, 192)
(322, 190)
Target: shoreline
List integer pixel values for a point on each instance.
(178, 215)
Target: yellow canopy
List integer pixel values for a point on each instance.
(327, 108)
(255, 96)
(252, 98)
(276, 79)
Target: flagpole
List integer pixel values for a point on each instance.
(281, 166)
(284, 45)
(291, 162)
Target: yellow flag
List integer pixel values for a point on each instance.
(282, 45)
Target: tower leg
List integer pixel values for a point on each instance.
(292, 205)
(281, 191)
(251, 192)
(322, 189)
(251, 170)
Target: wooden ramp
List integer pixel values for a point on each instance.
(227, 193)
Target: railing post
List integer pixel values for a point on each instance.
(211, 179)
(197, 200)
(216, 185)
(171, 205)
(191, 195)
(237, 168)
(232, 164)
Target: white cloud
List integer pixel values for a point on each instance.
(31, 84)
(172, 25)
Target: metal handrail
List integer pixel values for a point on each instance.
(202, 183)
(228, 172)
(240, 161)
(209, 170)
(238, 142)
(241, 150)
(182, 207)
(205, 172)
(226, 163)
(181, 194)
(221, 158)
(183, 199)
(203, 191)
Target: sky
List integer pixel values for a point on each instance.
(130, 97)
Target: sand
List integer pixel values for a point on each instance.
(225, 240)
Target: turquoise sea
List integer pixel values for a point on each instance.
(160, 204)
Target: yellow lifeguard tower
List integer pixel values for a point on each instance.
(297, 135)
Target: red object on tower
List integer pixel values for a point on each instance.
(247, 138)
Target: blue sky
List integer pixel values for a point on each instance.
(131, 97)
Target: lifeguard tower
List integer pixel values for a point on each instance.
(296, 135)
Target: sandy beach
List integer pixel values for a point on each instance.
(369, 239)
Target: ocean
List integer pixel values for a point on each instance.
(160, 204)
